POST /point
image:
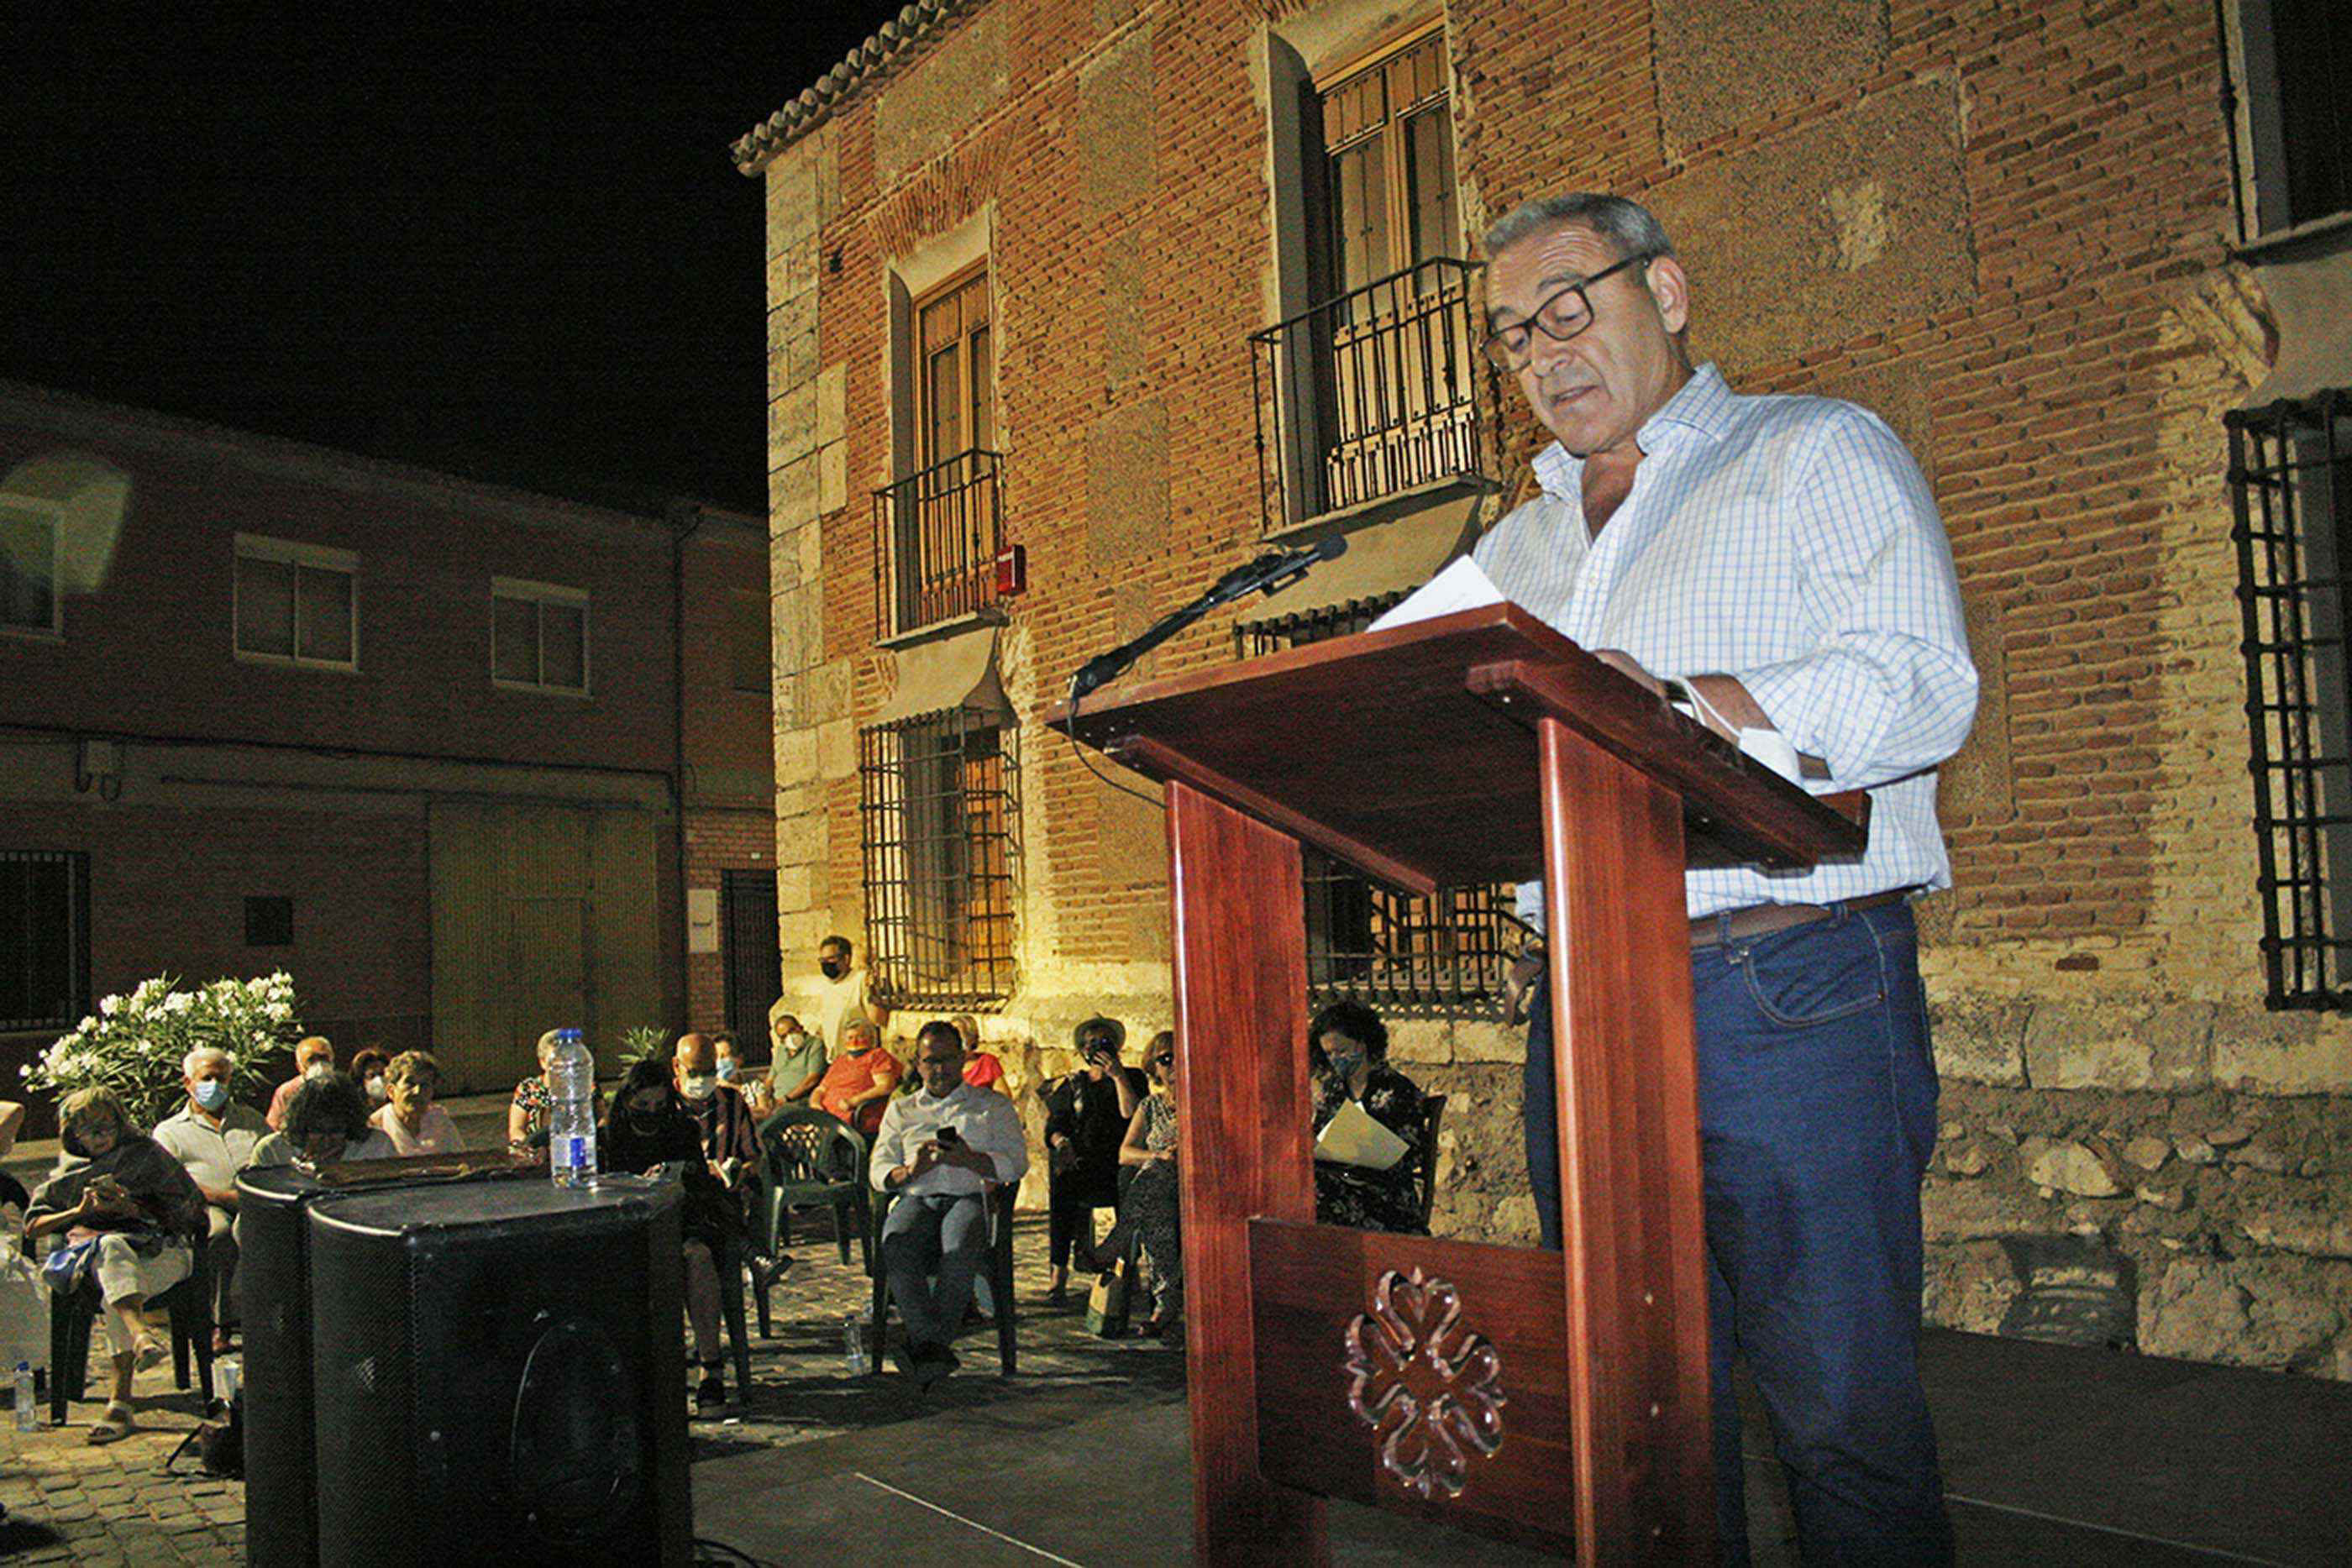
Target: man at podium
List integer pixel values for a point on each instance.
(1779, 562)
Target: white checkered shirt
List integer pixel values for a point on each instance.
(1791, 542)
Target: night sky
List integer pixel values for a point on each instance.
(505, 241)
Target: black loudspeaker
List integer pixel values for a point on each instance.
(281, 1502)
(501, 1376)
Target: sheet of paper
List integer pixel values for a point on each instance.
(1352, 1137)
(1464, 585)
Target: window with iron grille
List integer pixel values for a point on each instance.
(44, 939)
(2290, 484)
(1445, 955)
(940, 811)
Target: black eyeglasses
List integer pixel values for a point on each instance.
(1560, 316)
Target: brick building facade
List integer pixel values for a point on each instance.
(1228, 255)
(418, 741)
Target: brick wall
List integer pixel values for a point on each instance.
(2005, 228)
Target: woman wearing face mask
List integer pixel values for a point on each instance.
(737, 1073)
(1347, 1049)
(649, 1129)
(367, 1068)
(410, 1119)
(121, 1189)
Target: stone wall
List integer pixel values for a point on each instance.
(2007, 230)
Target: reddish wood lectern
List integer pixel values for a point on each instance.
(1557, 1398)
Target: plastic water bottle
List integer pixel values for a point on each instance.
(572, 1110)
(855, 1361)
(29, 1399)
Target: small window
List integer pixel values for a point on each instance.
(749, 658)
(939, 807)
(539, 636)
(297, 604)
(2295, 100)
(269, 921)
(44, 939)
(939, 528)
(28, 566)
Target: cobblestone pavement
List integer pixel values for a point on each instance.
(69, 1503)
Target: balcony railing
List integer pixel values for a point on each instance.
(937, 535)
(1368, 395)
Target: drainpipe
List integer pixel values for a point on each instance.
(685, 517)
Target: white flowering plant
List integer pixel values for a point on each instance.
(134, 1044)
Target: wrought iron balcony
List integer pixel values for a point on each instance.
(1368, 395)
(937, 535)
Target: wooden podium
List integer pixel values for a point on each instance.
(1559, 1399)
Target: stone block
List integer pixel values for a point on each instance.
(1980, 1039)
(794, 886)
(2282, 1054)
(833, 402)
(791, 425)
(792, 281)
(791, 192)
(2195, 1312)
(919, 111)
(825, 692)
(793, 494)
(1126, 482)
(1980, 1210)
(1115, 104)
(1485, 1039)
(2067, 1166)
(1427, 1040)
(831, 477)
(796, 757)
(1786, 250)
(2148, 1152)
(836, 749)
(1724, 63)
(2069, 1047)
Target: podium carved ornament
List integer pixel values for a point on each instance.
(1428, 1387)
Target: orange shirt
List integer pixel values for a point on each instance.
(850, 1076)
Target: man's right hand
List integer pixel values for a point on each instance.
(1526, 969)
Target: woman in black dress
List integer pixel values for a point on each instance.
(1087, 1115)
(1348, 1048)
(648, 1127)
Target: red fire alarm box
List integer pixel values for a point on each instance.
(1011, 572)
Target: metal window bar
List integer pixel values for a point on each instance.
(1444, 955)
(2291, 498)
(44, 939)
(1368, 394)
(939, 813)
(937, 535)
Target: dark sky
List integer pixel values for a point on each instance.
(504, 240)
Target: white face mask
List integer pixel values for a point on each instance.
(375, 1087)
(727, 1068)
(317, 1069)
(700, 1085)
(794, 1041)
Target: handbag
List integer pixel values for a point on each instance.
(1107, 1303)
(68, 1266)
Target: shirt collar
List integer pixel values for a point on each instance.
(1702, 403)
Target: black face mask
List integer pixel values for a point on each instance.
(832, 968)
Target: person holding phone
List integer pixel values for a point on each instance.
(940, 1149)
(1087, 1115)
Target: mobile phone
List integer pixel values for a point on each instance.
(948, 1135)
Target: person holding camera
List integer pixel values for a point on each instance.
(1087, 1115)
(940, 1149)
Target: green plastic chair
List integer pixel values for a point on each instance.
(813, 1159)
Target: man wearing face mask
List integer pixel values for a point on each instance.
(214, 1136)
(314, 1057)
(731, 1140)
(797, 1058)
(846, 994)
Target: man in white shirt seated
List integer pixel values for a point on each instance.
(939, 1149)
(214, 1136)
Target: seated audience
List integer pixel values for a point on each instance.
(141, 1210)
(368, 1067)
(940, 1150)
(326, 1125)
(731, 1138)
(410, 1119)
(797, 1058)
(1087, 1115)
(313, 1054)
(648, 1129)
(1152, 1196)
(12, 1122)
(526, 1113)
(1347, 1050)
(981, 1070)
(214, 1136)
(738, 1072)
(858, 1081)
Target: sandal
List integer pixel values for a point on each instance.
(112, 1426)
(148, 1355)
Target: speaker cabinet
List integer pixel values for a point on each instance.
(500, 1375)
(281, 1500)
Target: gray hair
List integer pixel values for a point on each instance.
(867, 1026)
(206, 1053)
(1629, 227)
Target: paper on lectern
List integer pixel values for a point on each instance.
(1354, 1137)
(1464, 585)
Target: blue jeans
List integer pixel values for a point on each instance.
(932, 1248)
(1817, 1114)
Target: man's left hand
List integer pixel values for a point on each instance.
(1626, 665)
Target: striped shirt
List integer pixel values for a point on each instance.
(1790, 542)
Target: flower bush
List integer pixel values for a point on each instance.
(134, 1044)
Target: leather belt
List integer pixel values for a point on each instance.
(1763, 919)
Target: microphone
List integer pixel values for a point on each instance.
(1272, 570)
